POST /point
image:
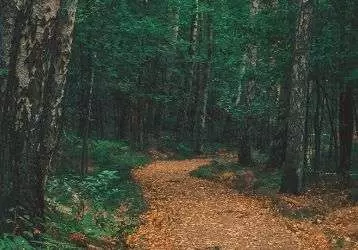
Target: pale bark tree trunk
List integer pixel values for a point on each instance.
(204, 84)
(37, 44)
(194, 34)
(294, 161)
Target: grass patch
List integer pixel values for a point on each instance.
(214, 170)
(204, 172)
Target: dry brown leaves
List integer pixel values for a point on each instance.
(189, 213)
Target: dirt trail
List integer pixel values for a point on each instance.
(190, 213)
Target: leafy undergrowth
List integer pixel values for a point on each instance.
(325, 206)
(228, 172)
(99, 209)
(168, 149)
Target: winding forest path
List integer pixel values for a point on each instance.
(190, 213)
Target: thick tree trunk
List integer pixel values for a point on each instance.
(37, 43)
(293, 166)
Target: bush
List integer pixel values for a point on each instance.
(204, 172)
(106, 203)
(116, 153)
(14, 242)
(224, 172)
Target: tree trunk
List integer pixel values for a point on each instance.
(333, 138)
(194, 33)
(246, 97)
(294, 161)
(317, 128)
(204, 83)
(345, 132)
(279, 142)
(86, 128)
(37, 43)
(306, 155)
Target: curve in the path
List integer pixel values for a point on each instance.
(190, 213)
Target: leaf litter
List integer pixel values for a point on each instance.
(185, 212)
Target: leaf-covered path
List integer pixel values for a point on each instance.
(189, 213)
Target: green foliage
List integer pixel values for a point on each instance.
(204, 172)
(184, 150)
(116, 153)
(90, 204)
(14, 242)
(3, 72)
(214, 169)
(267, 182)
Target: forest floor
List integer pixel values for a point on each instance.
(185, 212)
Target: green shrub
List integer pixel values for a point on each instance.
(89, 204)
(14, 242)
(116, 153)
(204, 172)
(267, 182)
(184, 150)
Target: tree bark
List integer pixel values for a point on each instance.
(37, 42)
(86, 129)
(279, 141)
(292, 178)
(247, 95)
(345, 132)
(204, 84)
(194, 33)
(317, 128)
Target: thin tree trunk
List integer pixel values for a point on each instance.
(279, 142)
(205, 83)
(194, 33)
(317, 128)
(331, 118)
(294, 161)
(306, 155)
(345, 132)
(86, 128)
(246, 97)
